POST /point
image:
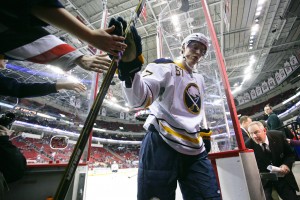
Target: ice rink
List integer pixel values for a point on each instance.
(104, 185)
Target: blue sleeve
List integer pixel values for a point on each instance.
(11, 87)
(16, 14)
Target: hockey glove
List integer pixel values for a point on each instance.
(205, 134)
(132, 59)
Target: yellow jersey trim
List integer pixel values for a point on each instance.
(179, 64)
(176, 134)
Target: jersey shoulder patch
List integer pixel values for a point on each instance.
(163, 60)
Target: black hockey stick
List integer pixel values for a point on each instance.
(132, 175)
(88, 125)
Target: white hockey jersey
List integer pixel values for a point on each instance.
(175, 99)
(114, 167)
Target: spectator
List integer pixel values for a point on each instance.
(273, 123)
(11, 87)
(271, 148)
(13, 163)
(244, 122)
(26, 20)
(293, 142)
(23, 37)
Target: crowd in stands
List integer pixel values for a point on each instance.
(31, 117)
(117, 125)
(33, 107)
(118, 136)
(39, 151)
(272, 101)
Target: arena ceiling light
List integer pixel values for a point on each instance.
(247, 77)
(251, 61)
(247, 70)
(237, 89)
(175, 20)
(254, 29)
(260, 2)
(259, 8)
(236, 84)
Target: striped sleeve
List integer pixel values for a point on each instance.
(38, 46)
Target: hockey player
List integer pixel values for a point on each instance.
(173, 149)
(114, 167)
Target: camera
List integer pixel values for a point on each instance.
(7, 119)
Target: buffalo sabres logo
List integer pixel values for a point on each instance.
(192, 98)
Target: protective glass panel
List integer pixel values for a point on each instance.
(40, 118)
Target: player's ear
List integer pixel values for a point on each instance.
(182, 49)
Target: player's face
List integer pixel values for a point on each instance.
(193, 52)
(257, 133)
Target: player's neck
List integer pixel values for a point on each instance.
(184, 65)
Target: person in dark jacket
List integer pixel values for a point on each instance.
(12, 161)
(244, 122)
(293, 142)
(273, 122)
(271, 148)
(11, 87)
(23, 37)
(24, 24)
